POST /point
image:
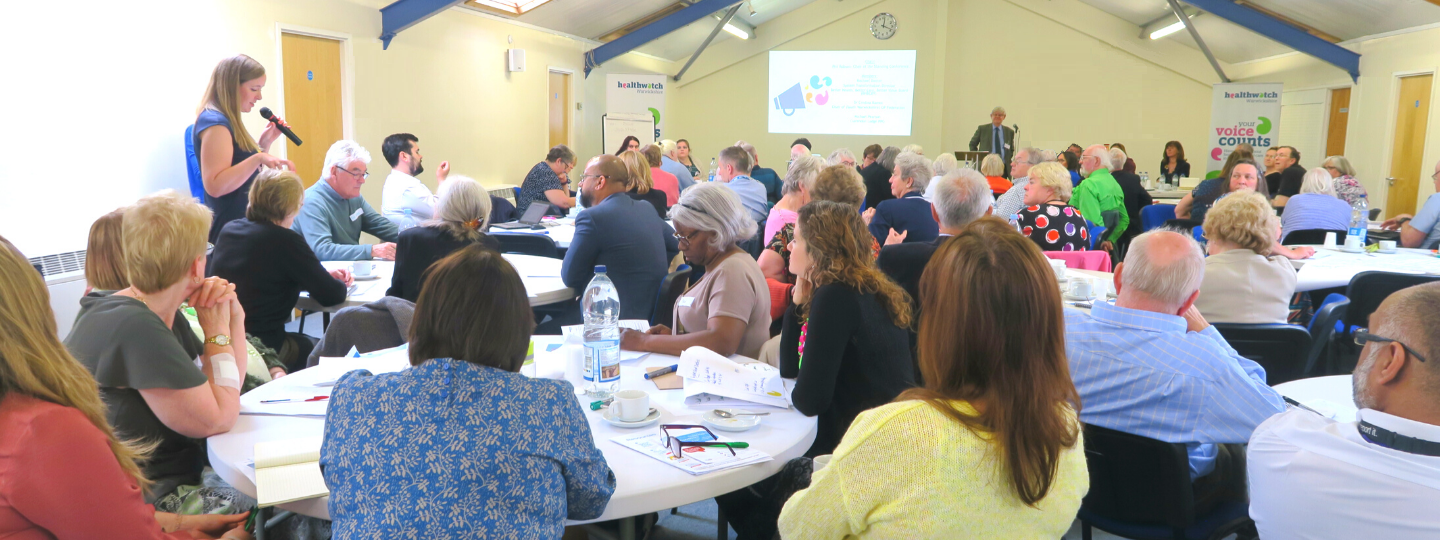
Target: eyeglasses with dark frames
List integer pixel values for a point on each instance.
(353, 173)
(1363, 336)
(676, 446)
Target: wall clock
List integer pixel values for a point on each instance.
(883, 26)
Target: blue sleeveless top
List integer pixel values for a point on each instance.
(230, 206)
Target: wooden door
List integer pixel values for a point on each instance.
(1412, 113)
(559, 99)
(1339, 121)
(312, 100)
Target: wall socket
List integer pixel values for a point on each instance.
(579, 106)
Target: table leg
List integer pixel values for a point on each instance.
(627, 528)
(259, 523)
(722, 528)
(324, 322)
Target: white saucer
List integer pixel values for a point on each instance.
(738, 423)
(647, 421)
(1391, 252)
(1348, 250)
(1074, 298)
(370, 277)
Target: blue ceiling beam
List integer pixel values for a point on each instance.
(403, 14)
(651, 32)
(1282, 32)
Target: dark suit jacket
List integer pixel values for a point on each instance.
(1136, 198)
(877, 184)
(909, 214)
(905, 263)
(635, 246)
(420, 247)
(980, 142)
(770, 180)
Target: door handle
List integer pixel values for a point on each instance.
(1391, 180)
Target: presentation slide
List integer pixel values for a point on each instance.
(841, 92)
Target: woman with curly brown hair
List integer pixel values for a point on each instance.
(844, 339)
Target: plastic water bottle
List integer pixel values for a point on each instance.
(1359, 220)
(601, 307)
(408, 221)
(1014, 220)
(713, 168)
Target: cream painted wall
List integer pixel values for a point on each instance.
(1369, 137)
(443, 80)
(1069, 73)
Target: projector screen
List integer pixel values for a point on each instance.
(841, 92)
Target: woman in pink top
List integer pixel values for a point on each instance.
(663, 181)
(796, 192)
(63, 472)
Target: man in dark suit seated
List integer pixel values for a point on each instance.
(961, 196)
(1136, 198)
(985, 138)
(623, 234)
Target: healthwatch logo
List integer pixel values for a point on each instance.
(816, 91)
(640, 85)
(1252, 133)
(1252, 95)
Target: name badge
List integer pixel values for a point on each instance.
(1007, 146)
(686, 301)
(358, 212)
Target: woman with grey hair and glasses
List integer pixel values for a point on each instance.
(728, 310)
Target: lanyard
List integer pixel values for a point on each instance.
(1395, 441)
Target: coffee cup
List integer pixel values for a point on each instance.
(631, 405)
(574, 358)
(820, 462)
(1329, 239)
(1354, 243)
(1082, 288)
(1058, 266)
(361, 269)
(1387, 245)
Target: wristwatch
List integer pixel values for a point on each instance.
(219, 339)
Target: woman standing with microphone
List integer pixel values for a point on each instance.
(229, 157)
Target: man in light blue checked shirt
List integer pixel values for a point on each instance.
(1150, 365)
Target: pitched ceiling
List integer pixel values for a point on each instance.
(1343, 19)
(592, 19)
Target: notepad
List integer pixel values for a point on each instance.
(288, 471)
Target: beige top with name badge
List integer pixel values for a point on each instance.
(733, 288)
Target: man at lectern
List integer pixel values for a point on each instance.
(995, 138)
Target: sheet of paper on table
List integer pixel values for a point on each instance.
(706, 372)
(697, 460)
(288, 470)
(575, 333)
(318, 381)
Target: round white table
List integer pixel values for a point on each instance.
(642, 484)
(562, 234)
(541, 276)
(1331, 396)
(1330, 267)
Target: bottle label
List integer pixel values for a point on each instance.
(607, 355)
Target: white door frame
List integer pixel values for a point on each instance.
(347, 74)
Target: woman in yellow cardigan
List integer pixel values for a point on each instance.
(991, 446)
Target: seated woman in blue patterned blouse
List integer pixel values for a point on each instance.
(461, 444)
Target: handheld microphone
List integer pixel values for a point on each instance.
(266, 114)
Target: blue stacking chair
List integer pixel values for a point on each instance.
(192, 165)
(1155, 215)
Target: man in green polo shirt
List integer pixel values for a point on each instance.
(1099, 193)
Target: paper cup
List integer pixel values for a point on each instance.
(820, 462)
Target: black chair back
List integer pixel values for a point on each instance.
(1282, 349)
(527, 244)
(671, 288)
(1368, 289)
(1137, 479)
(1313, 237)
(501, 210)
(755, 244)
(1374, 214)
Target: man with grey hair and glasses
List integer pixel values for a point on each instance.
(334, 214)
(995, 138)
(1013, 200)
(1150, 365)
(1376, 475)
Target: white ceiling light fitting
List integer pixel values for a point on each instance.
(737, 27)
(1165, 26)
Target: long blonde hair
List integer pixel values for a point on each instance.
(639, 169)
(34, 363)
(222, 95)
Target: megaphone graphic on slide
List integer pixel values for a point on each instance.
(790, 100)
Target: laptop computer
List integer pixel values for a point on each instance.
(531, 218)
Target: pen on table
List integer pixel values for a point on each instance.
(596, 405)
(291, 400)
(663, 371)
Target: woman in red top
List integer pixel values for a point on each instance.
(992, 167)
(63, 472)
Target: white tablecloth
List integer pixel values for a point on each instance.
(1334, 268)
(1168, 196)
(541, 276)
(642, 484)
(1333, 394)
(562, 234)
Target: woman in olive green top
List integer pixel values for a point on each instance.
(147, 373)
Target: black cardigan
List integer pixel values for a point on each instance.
(269, 266)
(855, 359)
(417, 249)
